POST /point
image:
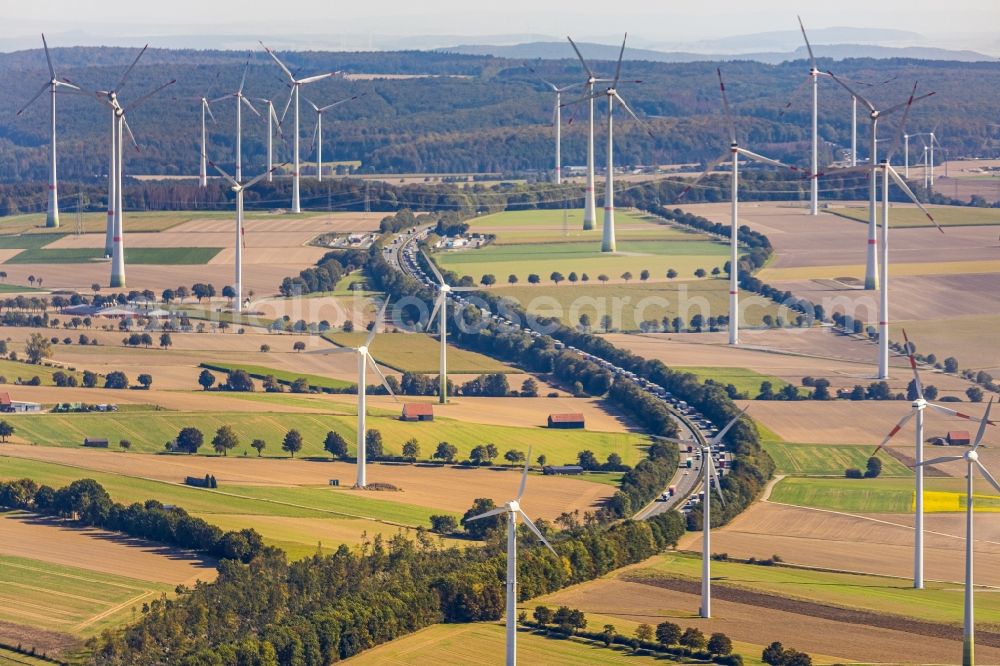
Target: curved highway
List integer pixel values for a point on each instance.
(401, 253)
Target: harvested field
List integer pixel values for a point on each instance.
(421, 484)
(753, 619)
(313, 223)
(908, 215)
(358, 308)
(880, 544)
(418, 352)
(969, 338)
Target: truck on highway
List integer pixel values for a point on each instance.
(688, 462)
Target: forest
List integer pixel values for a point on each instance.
(465, 114)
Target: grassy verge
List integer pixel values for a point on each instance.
(167, 256)
(283, 376)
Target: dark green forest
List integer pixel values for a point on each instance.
(471, 114)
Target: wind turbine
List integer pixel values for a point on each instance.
(364, 359)
(272, 124)
(318, 137)
(734, 151)
(52, 85)
(115, 233)
(441, 308)
(295, 84)
(918, 407)
(971, 458)
(239, 188)
(814, 75)
(513, 509)
(887, 172)
(240, 101)
(557, 121)
(203, 173)
(611, 93)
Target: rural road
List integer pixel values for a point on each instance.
(401, 256)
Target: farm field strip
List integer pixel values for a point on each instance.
(418, 352)
(907, 215)
(171, 256)
(283, 376)
(882, 495)
(827, 459)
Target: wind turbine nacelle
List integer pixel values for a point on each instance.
(972, 456)
(363, 350)
(446, 288)
(513, 506)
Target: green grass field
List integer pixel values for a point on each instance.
(13, 370)
(939, 602)
(630, 304)
(566, 226)
(166, 256)
(482, 644)
(260, 371)
(745, 380)
(94, 223)
(656, 256)
(68, 599)
(827, 459)
(911, 216)
(148, 431)
(28, 241)
(881, 495)
(417, 352)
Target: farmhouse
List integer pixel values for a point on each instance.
(566, 420)
(562, 469)
(8, 405)
(959, 437)
(417, 411)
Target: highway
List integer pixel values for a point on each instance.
(401, 253)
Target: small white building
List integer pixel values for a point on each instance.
(8, 405)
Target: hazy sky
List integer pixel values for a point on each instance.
(645, 19)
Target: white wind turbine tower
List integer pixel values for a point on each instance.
(318, 136)
(814, 75)
(239, 188)
(364, 360)
(52, 85)
(918, 407)
(734, 152)
(611, 93)
(272, 124)
(512, 510)
(971, 458)
(871, 263)
(241, 99)
(441, 309)
(557, 121)
(589, 206)
(296, 84)
(887, 172)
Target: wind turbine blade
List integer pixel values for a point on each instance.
(625, 106)
(524, 475)
(982, 426)
(847, 170)
(45, 86)
(287, 104)
(864, 100)
(951, 412)
(676, 441)
(378, 318)
(913, 366)
(332, 350)
(318, 77)
(250, 106)
(280, 64)
(906, 190)
(538, 532)
(378, 372)
(274, 116)
(902, 125)
(66, 84)
(223, 173)
(714, 475)
(219, 99)
(765, 160)
(48, 58)
(708, 169)
(580, 56)
(722, 433)
(208, 107)
(465, 288)
(311, 103)
(142, 100)
(989, 477)
(262, 176)
(343, 101)
(434, 268)
(583, 99)
(128, 71)
(618, 69)
(492, 512)
(892, 433)
(725, 106)
(937, 461)
(130, 135)
(791, 98)
(243, 81)
(437, 306)
(812, 58)
(903, 105)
